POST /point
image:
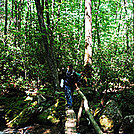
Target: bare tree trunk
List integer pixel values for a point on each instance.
(12, 7)
(43, 5)
(88, 39)
(133, 23)
(16, 19)
(127, 37)
(48, 47)
(120, 19)
(5, 31)
(96, 23)
(19, 16)
(88, 33)
(19, 20)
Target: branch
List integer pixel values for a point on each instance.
(80, 111)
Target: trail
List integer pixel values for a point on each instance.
(70, 124)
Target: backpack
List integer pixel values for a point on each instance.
(72, 78)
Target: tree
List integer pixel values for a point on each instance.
(88, 38)
(49, 51)
(5, 31)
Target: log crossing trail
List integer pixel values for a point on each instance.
(70, 124)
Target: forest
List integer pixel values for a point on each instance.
(40, 38)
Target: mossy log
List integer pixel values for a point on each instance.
(32, 108)
(21, 118)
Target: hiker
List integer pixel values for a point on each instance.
(70, 84)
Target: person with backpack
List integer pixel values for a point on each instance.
(70, 84)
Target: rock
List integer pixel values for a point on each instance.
(51, 114)
(111, 117)
(128, 122)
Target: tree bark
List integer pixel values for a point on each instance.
(127, 37)
(5, 31)
(88, 39)
(19, 16)
(12, 7)
(97, 25)
(119, 22)
(48, 51)
(88, 33)
(16, 19)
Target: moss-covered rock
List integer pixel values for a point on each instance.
(128, 122)
(110, 117)
(53, 113)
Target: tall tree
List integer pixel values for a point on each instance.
(16, 21)
(45, 39)
(88, 38)
(96, 22)
(5, 31)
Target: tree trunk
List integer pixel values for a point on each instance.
(19, 16)
(16, 19)
(96, 23)
(12, 8)
(127, 27)
(88, 38)
(19, 20)
(88, 33)
(48, 47)
(5, 31)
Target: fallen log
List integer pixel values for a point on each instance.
(33, 108)
(95, 125)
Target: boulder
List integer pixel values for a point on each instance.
(110, 118)
(128, 122)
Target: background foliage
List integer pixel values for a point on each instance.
(23, 63)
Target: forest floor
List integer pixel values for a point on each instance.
(52, 129)
(49, 128)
